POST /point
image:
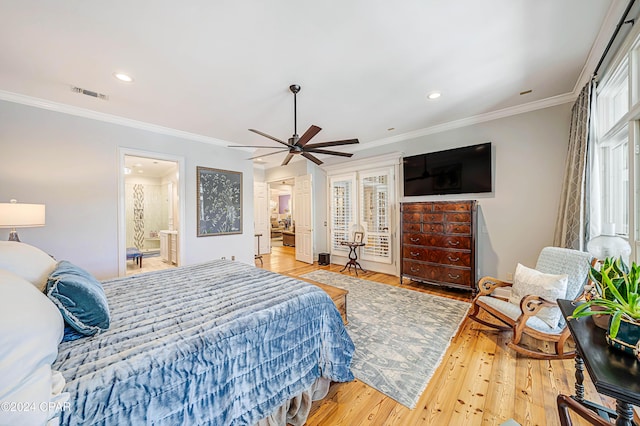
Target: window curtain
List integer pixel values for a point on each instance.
(572, 225)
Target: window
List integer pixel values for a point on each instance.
(375, 214)
(614, 176)
(363, 199)
(342, 205)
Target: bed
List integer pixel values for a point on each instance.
(218, 343)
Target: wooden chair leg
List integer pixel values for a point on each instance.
(565, 403)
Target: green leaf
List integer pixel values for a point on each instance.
(614, 325)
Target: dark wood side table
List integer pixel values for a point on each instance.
(612, 372)
(353, 256)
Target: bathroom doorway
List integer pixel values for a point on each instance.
(150, 213)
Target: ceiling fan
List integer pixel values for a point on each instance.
(299, 144)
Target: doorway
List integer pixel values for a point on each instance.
(150, 213)
(281, 227)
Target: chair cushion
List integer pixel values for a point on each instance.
(551, 287)
(513, 312)
(576, 264)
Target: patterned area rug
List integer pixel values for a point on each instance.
(400, 335)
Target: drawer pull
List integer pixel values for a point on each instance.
(415, 269)
(453, 259)
(453, 243)
(414, 240)
(455, 277)
(415, 254)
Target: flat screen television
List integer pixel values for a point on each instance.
(465, 170)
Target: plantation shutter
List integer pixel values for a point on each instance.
(342, 205)
(375, 194)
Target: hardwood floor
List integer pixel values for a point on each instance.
(479, 382)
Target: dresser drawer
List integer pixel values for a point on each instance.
(433, 228)
(452, 207)
(438, 274)
(411, 217)
(411, 227)
(458, 242)
(457, 228)
(458, 217)
(432, 217)
(451, 275)
(442, 257)
(417, 207)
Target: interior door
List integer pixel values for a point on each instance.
(303, 218)
(261, 216)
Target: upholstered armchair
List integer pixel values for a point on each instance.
(276, 228)
(528, 306)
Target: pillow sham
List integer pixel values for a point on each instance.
(80, 298)
(26, 261)
(30, 331)
(528, 281)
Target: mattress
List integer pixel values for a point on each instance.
(218, 343)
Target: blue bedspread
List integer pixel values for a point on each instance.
(219, 343)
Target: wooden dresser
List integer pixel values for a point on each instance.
(439, 243)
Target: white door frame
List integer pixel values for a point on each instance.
(122, 223)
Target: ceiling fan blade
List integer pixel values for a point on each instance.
(287, 159)
(269, 136)
(271, 153)
(324, 151)
(312, 158)
(255, 146)
(333, 143)
(306, 137)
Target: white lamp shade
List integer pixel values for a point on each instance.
(604, 246)
(20, 215)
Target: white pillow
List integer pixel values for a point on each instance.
(27, 261)
(31, 327)
(548, 286)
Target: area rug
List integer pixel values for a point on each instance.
(400, 335)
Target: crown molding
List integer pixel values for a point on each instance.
(481, 118)
(616, 10)
(109, 118)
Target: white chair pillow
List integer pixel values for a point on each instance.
(26, 261)
(528, 281)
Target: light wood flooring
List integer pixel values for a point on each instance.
(479, 381)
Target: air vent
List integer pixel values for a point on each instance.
(90, 93)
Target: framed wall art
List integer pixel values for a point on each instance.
(219, 202)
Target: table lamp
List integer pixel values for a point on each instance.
(19, 215)
(608, 244)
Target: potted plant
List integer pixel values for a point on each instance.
(615, 270)
(616, 293)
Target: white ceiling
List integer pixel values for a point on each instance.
(218, 68)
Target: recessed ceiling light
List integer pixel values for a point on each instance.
(123, 77)
(434, 95)
(127, 171)
(140, 171)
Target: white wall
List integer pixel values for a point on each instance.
(71, 164)
(518, 219)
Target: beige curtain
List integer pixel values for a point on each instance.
(571, 225)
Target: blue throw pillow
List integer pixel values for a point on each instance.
(80, 298)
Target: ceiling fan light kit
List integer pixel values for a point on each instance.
(299, 144)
